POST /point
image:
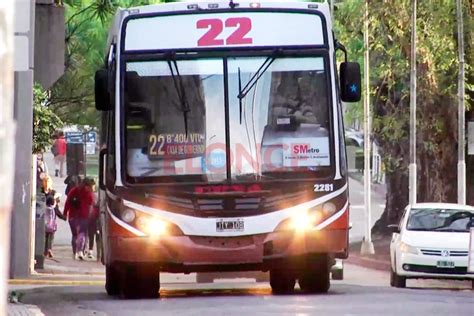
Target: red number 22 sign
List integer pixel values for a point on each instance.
(216, 26)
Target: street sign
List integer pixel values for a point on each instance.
(470, 138)
(74, 137)
(91, 137)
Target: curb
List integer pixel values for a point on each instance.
(19, 309)
(369, 263)
(54, 282)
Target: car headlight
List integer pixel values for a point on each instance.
(406, 248)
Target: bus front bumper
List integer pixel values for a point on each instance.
(185, 252)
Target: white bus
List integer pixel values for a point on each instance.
(223, 144)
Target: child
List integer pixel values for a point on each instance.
(50, 225)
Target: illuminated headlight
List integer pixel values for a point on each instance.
(303, 221)
(152, 226)
(405, 248)
(128, 215)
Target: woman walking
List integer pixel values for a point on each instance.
(78, 209)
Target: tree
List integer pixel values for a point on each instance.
(437, 116)
(87, 22)
(45, 121)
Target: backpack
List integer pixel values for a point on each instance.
(55, 149)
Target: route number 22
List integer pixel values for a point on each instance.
(216, 26)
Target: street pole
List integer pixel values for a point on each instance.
(412, 168)
(461, 110)
(6, 142)
(367, 245)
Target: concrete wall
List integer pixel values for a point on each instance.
(49, 44)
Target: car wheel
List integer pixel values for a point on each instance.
(139, 281)
(112, 280)
(314, 277)
(397, 280)
(282, 281)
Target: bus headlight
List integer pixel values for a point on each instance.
(329, 209)
(152, 226)
(304, 221)
(128, 215)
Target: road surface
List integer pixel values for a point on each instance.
(363, 292)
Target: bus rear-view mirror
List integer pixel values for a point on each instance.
(350, 82)
(102, 100)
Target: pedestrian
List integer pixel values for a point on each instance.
(50, 226)
(71, 181)
(92, 229)
(59, 152)
(78, 209)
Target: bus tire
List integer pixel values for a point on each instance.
(315, 274)
(112, 281)
(140, 281)
(282, 281)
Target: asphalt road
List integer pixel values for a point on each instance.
(363, 292)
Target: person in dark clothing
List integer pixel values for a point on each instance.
(71, 182)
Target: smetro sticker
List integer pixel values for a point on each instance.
(306, 152)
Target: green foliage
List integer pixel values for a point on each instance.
(45, 121)
(87, 24)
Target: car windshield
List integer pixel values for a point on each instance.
(175, 119)
(440, 219)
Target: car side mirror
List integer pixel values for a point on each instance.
(350, 82)
(102, 97)
(394, 228)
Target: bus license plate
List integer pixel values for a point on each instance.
(230, 225)
(445, 264)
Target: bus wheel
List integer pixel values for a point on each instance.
(282, 281)
(314, 275)
(112, 281)
(140, 281)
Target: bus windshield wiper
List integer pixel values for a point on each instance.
(253, 81)
(178, 84)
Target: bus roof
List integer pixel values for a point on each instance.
(200, 6)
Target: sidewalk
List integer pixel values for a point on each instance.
(378, 261)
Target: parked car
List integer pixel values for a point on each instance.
(431, 241)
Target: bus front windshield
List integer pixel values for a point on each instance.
(277, 127)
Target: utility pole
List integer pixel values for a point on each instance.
(461, 110)
(6, 142)
(367, 245)
(412, 168)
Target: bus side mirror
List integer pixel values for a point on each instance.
(350, 82)
(102, 156)
(102, 99)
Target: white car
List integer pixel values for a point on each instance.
(431, 241)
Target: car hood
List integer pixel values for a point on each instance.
(445, 240)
